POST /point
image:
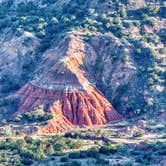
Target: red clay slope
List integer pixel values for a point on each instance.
(62, 85)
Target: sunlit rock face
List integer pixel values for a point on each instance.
(64, 86)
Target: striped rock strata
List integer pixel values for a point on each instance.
(64, 87)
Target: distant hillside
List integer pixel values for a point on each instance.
(126, 38)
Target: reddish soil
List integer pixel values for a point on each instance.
(62, 86)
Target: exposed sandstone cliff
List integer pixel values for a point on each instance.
(63, 85)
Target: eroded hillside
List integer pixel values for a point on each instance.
(82, 82)
(63, 86)
(120, 55)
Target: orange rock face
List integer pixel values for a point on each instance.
(63, 86)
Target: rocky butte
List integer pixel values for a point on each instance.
(63, 85)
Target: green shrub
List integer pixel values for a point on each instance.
(162, 152)
(150, 81)
(143, 158)
(150, 101)
(73, 135)
(117, 20)
(107, 149)
(64, 159)
(84, 154)
(93, 152)
(137, 134)
(122, 148)
(74, 155)
(73, 144)
(162, 50)
(8, 130)
(50, 149)
(100, 161)
(35, 116)
(17, 133)
(28, 139)
(26, 161)
(59, 147)
(18, 118)
(149, 21)
(123, 12)
(75, 163)
(127, 163)
(152, 9)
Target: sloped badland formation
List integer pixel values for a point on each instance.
(65, 88)
(93, 71)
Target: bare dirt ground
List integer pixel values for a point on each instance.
(135, 133)
(122, 133)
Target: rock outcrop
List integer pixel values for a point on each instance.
(18, 56)
(64, 86)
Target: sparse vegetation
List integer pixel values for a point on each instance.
(27, 150)
(127, 37)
